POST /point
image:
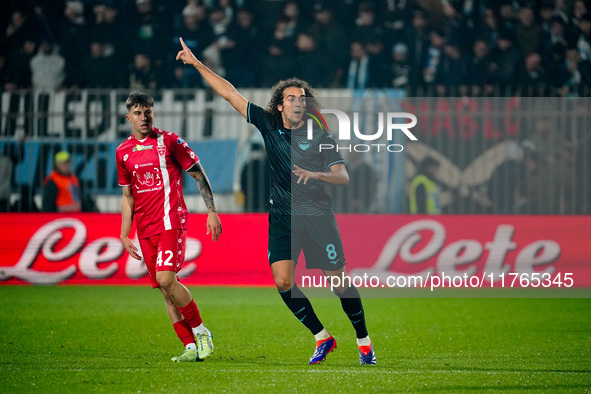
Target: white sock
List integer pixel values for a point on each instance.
(200, 329)
(322, 335)
(191, 346)
(364, 341)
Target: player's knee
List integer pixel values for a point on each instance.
(166, 281)
(339, 291)
(283, 284)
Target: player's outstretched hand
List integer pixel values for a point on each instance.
(305, 175)
(186, 55)
(131, 248)
(214, 225)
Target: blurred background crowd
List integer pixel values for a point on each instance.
(427, 47)
(438, 51)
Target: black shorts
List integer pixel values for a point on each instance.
(317, 236)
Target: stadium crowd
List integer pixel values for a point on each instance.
(427, 47)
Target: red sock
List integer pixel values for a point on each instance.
(184, 332)
(191, 314)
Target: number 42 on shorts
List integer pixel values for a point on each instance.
(167, 262)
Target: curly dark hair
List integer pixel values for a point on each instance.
(277, 98)
(142, 99)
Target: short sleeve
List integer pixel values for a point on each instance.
(123, 176)
(330, 156)
(182, 152)
(257, 116)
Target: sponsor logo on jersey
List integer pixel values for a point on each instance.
(139, 148)
(180, 141)
(304, 145)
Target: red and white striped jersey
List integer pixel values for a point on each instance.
(153, 167)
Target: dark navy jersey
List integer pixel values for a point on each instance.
(286, 147)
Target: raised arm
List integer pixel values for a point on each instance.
(218, 84)
(213, 221)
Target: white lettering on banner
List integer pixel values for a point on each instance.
(537, 253)
(102, 250)
(44, 241)
(462, 253)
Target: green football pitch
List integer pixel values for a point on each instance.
(119, 339)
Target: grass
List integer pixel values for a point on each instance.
(119, 339)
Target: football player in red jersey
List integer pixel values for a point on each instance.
(150, 164)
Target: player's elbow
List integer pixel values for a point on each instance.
(345, 179)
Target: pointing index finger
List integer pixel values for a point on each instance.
(183, 43)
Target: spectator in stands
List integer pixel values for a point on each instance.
(479, 70)
(22, 27)
(239, 54)
(528, 33)
(506, 63)
(18, 69)
(47, 67)
(533, 81)
(400, 69)
(148, 31)
(366, 28)
(143, 75)
(489, 30)
(291, 13)
(545, 15)
(451, 72)
(424, 190)
(434, 54)
(583, 42)
(330, 40)
(579, 9)
(396, 15)
(417, 41)
(108, 28)
(578, 80)
(278, 60)
(61, 188)
(310, 63)
(73, 41)
(558, 74)
(228, 7)
(507, 19)
(218, 21)
(363, 70)
(555, 36)
(101, 71)
(198, 35)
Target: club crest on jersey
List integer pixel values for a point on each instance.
(139, 148)
(304, 145)
(162, 150)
